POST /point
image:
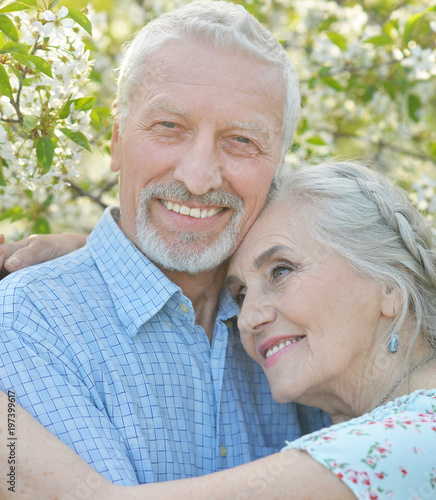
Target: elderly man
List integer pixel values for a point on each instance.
(127, 350)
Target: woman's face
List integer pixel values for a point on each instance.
(306, 317)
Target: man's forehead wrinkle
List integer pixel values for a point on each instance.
(163, 79)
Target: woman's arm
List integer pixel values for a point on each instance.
(37, 465)
(37, 248)
(290, 475)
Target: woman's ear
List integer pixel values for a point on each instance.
(391, 301)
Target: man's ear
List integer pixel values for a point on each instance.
(116, 149)
(391, 301)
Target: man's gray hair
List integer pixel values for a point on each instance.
(220, 25)
(361, 216)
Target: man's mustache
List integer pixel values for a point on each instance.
(217, 197)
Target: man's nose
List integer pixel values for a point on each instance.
(200, 169)
(256, 314)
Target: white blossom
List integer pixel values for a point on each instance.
(57, 25)
(421, 62)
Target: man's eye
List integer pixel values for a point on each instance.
(244, 140)
(168, 124)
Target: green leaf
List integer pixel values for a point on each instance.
(326, 23)
(13, 213)
(44, 152)
(47, 202)
(390, 88)
(65, 111)
(33, 62)
(5, 85)
(77, 137)
(8, 28)
(414, 104)
(13, 47)
(14, 7)
(83, 103)
(17, 74)
(30, 122)
(2, 178)
(41, 226)
(331, 82)
(95, 119)
(410, 26)
(100, 117)
(312, 82)
(324, 70)
(379, 40)
(29, 3)
(79, 17)
(316, 141)
(337, 39)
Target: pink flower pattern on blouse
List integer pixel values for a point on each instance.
(389, 453)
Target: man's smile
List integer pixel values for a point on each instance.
(196, 212)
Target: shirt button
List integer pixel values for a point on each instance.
(184, 308)
(223, 451)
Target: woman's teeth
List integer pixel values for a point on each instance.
(280, 346)
(198, 213)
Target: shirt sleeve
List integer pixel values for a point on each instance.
(389, 458)
(57, 382)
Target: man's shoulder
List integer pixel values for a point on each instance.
(53, 279)
(76, 264)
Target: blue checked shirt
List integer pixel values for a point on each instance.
(104, 351)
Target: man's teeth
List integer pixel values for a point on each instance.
(198, 213)
(279, 347)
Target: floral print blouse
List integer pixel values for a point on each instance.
(389, 453)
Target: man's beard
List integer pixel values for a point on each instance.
(200, 256)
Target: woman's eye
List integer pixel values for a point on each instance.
(244, 140)
(239, 295)
(239, 299)
(279, 271)
(168, 124)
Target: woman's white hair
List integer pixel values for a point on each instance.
(222, 26)
(370, 222)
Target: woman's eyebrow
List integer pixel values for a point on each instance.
(232, 279)
(267, 254)
(258, 262)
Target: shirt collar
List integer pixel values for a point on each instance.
(228, 309)
(138, 288)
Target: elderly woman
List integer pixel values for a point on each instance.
(336, 283)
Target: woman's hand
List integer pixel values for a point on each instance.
(35, 249)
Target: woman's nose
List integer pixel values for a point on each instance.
(256, 314)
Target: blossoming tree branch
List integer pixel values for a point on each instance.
(367, 73)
